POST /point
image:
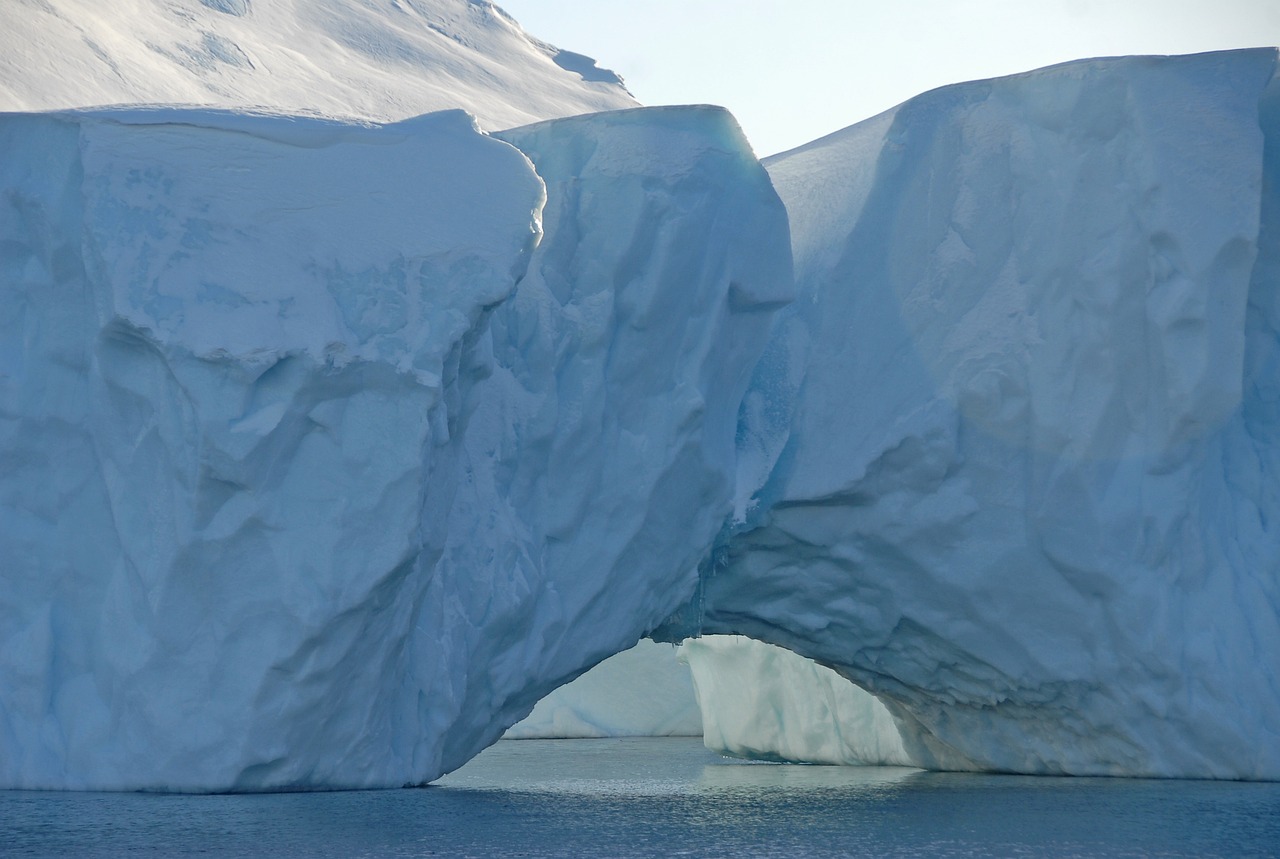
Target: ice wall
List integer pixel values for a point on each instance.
(642, 692)
(318, 469)
(1011, 459)
(225, 347)
(765, 702)
(317, 473)
(594, 462)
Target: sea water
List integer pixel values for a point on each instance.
(664, 797)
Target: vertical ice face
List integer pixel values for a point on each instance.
(1027, 491)
(221, 386)
(763, 701)
(594, 462)
(317, 474)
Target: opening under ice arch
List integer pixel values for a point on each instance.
(745, 697)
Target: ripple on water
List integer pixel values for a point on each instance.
(665, 797)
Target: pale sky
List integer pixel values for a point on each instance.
(794, 70)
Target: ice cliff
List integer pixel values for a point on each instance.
(1022, 425)
(329, 449)
(312, 450)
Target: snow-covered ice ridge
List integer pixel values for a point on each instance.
(329, 449)
(381, 60)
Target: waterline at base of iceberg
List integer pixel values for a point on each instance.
(665, 797)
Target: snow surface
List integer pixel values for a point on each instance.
(763, 701)
(642, 692)
(1022, 422)
(372, 59)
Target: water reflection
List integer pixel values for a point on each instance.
(796, 778)
(634, 766)
(664, 797)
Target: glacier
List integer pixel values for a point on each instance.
(330, 448)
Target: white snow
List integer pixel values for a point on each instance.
(373, 59)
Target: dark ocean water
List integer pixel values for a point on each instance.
(664, 797)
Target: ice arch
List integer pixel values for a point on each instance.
(1014, 446)
(329, 449)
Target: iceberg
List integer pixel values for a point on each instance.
(314, 432)
(1010, 460)
(330, 448)
(224, 370)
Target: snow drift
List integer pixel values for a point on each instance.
(330, 449)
